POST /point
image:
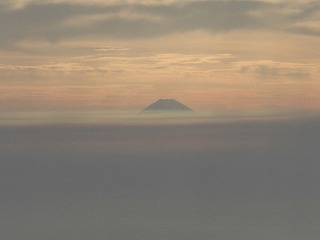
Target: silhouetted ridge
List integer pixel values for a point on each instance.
(167, 105)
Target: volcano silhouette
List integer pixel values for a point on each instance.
(167, 105)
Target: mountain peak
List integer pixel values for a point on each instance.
(167, 105)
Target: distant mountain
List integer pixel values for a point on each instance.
(164, 105)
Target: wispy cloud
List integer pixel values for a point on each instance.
(104, 60)
(267, 69)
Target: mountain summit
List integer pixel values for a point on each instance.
(163, 105)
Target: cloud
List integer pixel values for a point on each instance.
(68, 20)
(104, 60)
(270, 69)
(271, 72)
(267, 71)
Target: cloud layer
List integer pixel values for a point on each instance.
(64, 20)
(239, 180)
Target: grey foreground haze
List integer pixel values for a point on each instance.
(239, 180)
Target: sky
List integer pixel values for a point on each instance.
(75, 54)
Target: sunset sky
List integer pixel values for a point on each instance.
(102, 54)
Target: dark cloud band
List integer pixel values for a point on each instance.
(51, 22)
